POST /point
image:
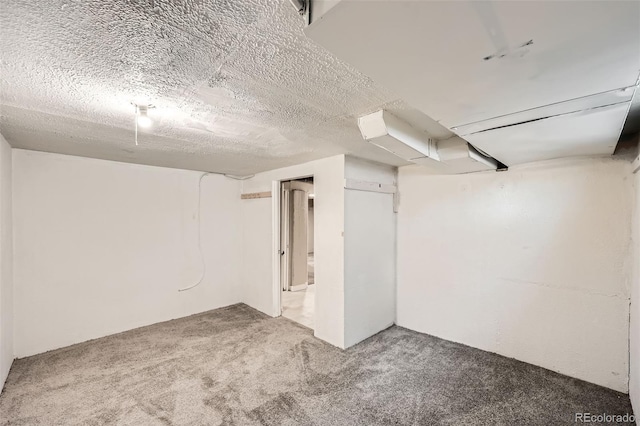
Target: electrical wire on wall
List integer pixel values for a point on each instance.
(202, 262)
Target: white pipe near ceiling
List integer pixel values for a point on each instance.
(453, 155)
(396, 136)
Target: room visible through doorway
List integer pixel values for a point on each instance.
(297, 251)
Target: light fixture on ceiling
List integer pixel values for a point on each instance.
(142, 118)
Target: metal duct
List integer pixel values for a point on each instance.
(392, 134)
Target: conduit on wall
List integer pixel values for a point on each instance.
(204, 265)
(202, 262)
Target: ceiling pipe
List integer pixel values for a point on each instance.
(390, 133)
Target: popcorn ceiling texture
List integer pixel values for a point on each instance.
(237, 86)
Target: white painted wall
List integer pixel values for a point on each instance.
(102, 247)
(532, 263)
(6, 262)
(259, 250)
(634, 332)
(370, 253)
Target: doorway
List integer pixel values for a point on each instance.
(297, 275)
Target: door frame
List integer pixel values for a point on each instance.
(276, 204)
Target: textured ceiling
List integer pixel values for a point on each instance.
(237, 86)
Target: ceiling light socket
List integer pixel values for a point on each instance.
(142, 116)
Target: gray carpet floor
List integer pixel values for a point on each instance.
(236, 366)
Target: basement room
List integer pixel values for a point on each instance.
(319, 212)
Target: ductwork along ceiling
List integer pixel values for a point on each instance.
(239, 88)
(521, 81)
